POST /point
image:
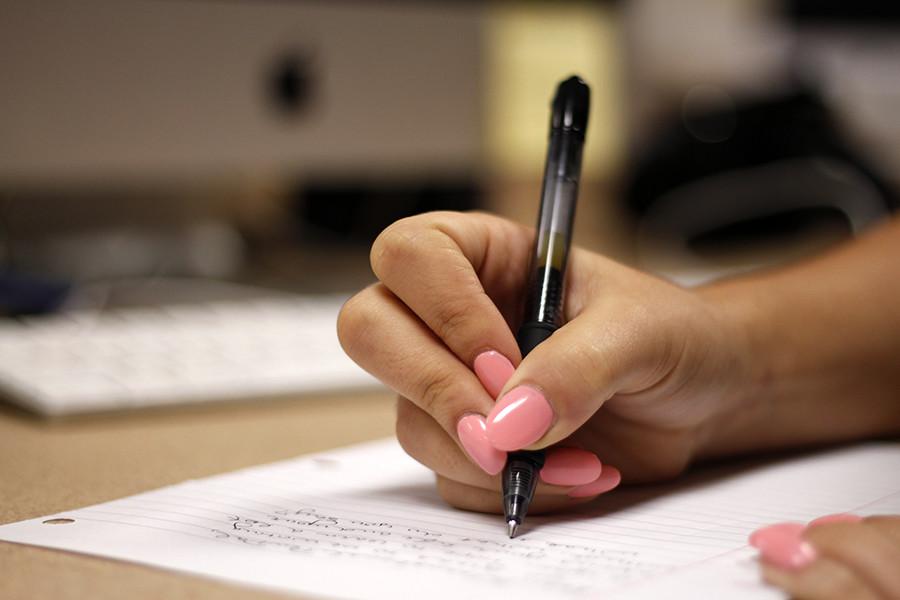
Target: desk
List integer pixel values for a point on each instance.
(50, 466)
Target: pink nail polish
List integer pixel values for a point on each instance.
(835, 518)
(493, 370)
(609, 478)
(472, 436)
(519, 418)
(783, 546)
(571, 466)
(763, 533)
(790, 553)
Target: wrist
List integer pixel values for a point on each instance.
(745, 401)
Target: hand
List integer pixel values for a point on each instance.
(636, 376)
(838, 556)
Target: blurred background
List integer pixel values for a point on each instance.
(237, 139)
(158, 152)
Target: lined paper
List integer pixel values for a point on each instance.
(365, 522)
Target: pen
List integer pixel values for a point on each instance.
(543, 302)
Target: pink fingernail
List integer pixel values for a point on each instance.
(781, 545)
(519, 418)
(472, 436)
(571, 466)
(835, 518)
(779, 528)
(494, 370)
(609, 478)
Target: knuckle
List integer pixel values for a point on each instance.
(451, 317)
(395, 245)
(355, 320)
(407, 432)
(435, 391)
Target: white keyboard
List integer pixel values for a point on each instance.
(81, 362)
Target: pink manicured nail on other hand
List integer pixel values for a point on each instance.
(472, 436)
(783, 546)
(493, 370)
(570, 466)
(518, 419)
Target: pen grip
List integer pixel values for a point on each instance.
(531, 334)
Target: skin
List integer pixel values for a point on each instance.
(649, 376)
(856, 561)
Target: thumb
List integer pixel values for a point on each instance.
(568, 377)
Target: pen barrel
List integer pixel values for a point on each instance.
(554, 229)
(544, 299)
(521, 475)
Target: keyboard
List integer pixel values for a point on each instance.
(88, 361)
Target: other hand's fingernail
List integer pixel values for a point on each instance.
(472, 436)
(571, 466)
(782, 546)
(769, 530)
(494, 370)
(519, 418)
(609, 478)
(836, 518)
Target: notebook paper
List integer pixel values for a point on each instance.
(365, 522)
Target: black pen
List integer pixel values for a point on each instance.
(544, 295)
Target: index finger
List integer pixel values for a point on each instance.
(438, 264)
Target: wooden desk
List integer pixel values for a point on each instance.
(50, 466)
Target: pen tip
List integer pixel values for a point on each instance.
(511, 526)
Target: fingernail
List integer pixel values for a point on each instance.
(835, 518)
(571, 466)
(609, 478)
(519, 418)
(494, 370)
(472, 436)
(777, 529)
(782, 546)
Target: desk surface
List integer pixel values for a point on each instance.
(50, 466)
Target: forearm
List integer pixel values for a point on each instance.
(821, 348)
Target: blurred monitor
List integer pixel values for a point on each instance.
(135, 134)
(147, 90)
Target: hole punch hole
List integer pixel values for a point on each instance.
(58, 521)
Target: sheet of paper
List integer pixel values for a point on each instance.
(365, 522)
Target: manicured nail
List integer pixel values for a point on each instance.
(782, 546)
(794, 529)
(836, 518)
(609, 478)
(571, 466)
(519, 418)
(494, 370)
(472, 436)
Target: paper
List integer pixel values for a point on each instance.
(365, 522)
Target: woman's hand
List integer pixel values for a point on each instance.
(838, 556)
(637, 376)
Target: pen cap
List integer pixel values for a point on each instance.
(570, 106)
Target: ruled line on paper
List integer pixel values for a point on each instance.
(300, 524)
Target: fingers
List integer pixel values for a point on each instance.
(823, 580)
(568, 377)
(865, 549)
(568, 471)
(435, 264)
(381, 334)
(424, 440)
(479, 499)
(838, 556)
